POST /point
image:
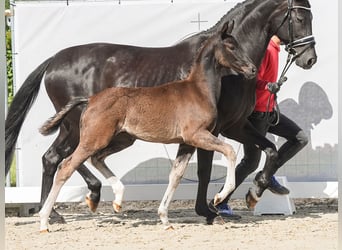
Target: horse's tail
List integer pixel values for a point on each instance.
(53, 123)
(19, 108)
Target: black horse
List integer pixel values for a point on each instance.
(87, 69)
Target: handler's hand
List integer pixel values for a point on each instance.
(273, 87)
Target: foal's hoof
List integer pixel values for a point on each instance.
(169, 227)
(251, 198)
(91, 204)
(117, 207)
(44, 231)
(217, 200)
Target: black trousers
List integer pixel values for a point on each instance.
(296, 139)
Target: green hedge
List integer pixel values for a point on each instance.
(9, 66)
(10, 85)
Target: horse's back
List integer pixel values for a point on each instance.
(87, 69)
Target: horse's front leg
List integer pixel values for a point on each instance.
(204, 167)
(262, 179)
(178, 168)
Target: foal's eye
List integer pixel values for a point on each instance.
(230, 46)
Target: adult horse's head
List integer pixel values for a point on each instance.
(295, 31)
(230, 54)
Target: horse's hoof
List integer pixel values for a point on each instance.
(210, 220)
(117, 207)
(91, 204)
(56, 218)
(251, 198)
(44, 231)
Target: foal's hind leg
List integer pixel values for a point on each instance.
(120, 142)
(183, 156)
(61, 148)
(117, 186)
(69, 165)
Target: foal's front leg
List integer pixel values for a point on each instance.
(205, 140)
(178, 168)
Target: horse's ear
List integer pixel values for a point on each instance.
(227, 28)
(230, 25)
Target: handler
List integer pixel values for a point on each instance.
(264, 118)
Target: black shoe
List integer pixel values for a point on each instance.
(276, 188)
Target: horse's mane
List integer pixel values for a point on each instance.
(215, 27)
(239, 9)
(223, 18)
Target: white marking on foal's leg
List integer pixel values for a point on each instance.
(44, 213)
(229, 184)
(175, 176)
(118, 189)
(163, 211)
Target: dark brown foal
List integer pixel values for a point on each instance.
(177, 112)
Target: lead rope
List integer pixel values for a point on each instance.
(291, 57)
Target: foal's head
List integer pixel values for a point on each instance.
(230, 54)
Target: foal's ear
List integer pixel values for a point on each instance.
(227, 29)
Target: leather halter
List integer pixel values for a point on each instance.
(292, 54)
(299, 42)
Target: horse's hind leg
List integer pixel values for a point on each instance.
(183, 156)
(94, 186)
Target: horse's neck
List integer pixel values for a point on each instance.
(252, 27)
(257, 29)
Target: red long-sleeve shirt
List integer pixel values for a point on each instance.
(268, 72)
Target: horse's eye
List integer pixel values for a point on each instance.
(299, 19)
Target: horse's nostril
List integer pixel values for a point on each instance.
(311, 61)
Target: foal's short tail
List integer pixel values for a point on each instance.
(52, 124)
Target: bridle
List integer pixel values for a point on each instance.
(292, 55)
